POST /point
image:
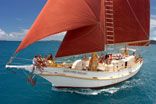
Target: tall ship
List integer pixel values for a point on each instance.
(100, 30)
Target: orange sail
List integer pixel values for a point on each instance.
(86, 39)
(85, 22)
(58, 16)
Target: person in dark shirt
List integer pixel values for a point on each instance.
(50, 59)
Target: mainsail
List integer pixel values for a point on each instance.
(131, 20)
(84, 21)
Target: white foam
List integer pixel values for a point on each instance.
(106, 91)
(110, 90)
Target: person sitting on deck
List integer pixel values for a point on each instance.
(110, 58)
(39, 59)
(93, 63)
(50, 59)
(101, 58)
(35, 61)
(106, 58)
(119, 57)
(85, 58)
(44, 61)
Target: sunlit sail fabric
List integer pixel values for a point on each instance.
(86, 39)
(58, 16)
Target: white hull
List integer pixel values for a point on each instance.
(68, 78)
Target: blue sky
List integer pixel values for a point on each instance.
(17, 16)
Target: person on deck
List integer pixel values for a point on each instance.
(85, 58)
(44, 61)
(93, 63)
(101, 58)
(39, 59)
(110, 58)
(35, 61)
(50, 59)
(106, 58)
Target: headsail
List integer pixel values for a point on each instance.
(58, 16)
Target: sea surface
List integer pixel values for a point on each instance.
(14, 89)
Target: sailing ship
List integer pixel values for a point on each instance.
(91, 26)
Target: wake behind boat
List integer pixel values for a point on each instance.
(92, 26)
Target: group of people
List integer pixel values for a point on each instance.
(95, 59)
(45, 61)
(106, 58)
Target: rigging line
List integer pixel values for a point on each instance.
(23, 59)
(16, 73)
(11, 58)
(137, 18)
(103, 29)
(145, 49)
(107, 47)
(25, 73)
(17, 63)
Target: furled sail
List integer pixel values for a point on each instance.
(58, 16)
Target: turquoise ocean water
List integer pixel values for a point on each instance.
(141, 89)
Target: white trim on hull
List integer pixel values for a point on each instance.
(68, 78)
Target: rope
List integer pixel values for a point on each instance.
(23, 59)
(25, 73)
(17, 63)
(16, 73)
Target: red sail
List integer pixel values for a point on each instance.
(86, 39)
(131, 24)
(58, 16)
(84, 20)
(131, 20)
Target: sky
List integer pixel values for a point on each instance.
(17, 16)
